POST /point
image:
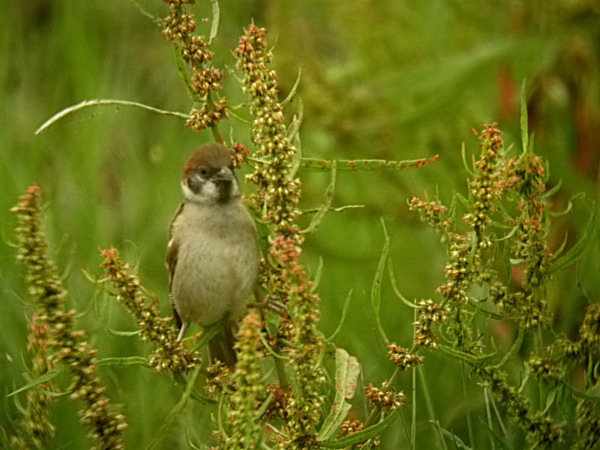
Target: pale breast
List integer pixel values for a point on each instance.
(217, 263)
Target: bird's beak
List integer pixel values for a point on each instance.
(225, 174)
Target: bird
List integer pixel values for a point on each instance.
(213, 255)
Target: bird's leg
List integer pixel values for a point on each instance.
(271, 304)
(182, 330)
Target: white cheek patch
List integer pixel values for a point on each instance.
(235, 189)
(208, 192)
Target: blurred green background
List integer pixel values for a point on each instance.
(393, 79)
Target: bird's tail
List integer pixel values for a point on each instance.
(220, 347)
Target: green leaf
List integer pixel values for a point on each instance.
(347, 370)
(343, 318)
(524, 119)
(294, 139)
(214, 27)
(395, 287)
(329, 193)
(39, 380)
(496, 437)
(475, 360)
(550, 399)
(123, 333)
(553, 190)
(361, 436)
(514, 349)
(294, 126)
(463, 153)
(458, 442)
(376, 286)
(294, 89)
(366, 164)
(103, 102)
(210, 333)
(145, 13)
(124, 361)
(575, 252)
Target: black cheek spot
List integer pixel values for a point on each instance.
(194, 184)
(224, 189)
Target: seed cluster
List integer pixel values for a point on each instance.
(385, 397)
(487, 185)
(242, 417)
(278, 190)
(497, 186)
(36, 424)
(205, 81)
(402, 357)
(539, 426)
(55, 337)
(532, 223)
(276, 203)
(429, 314)
(168, 354)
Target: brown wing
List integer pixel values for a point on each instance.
(171, 261)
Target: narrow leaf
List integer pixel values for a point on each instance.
(123, 333)
(294, 138)
(396, 290)
(363, 435)
(467, 357)
(329, 193)
(524, 119)
(145, 13)
(463, 152)
(333, 420)
(164, 428)
(366, 164)
(496, 438)
(124, 361)
(458, 442)
(553, 190)
(376, 287)
(343, 318)
(575, 252)
(513, 350)
(292, 93)
(347, 370)
(39, 380)
(214, 27)
(103, 102)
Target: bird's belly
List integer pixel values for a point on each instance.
(222, 282)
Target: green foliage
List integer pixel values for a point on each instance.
(383, 86)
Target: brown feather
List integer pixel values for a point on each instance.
(171, 262)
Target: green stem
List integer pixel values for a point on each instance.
(413, 426)
(466, 399)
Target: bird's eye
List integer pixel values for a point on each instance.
(203, 171)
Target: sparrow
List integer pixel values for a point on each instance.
(212, 255)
